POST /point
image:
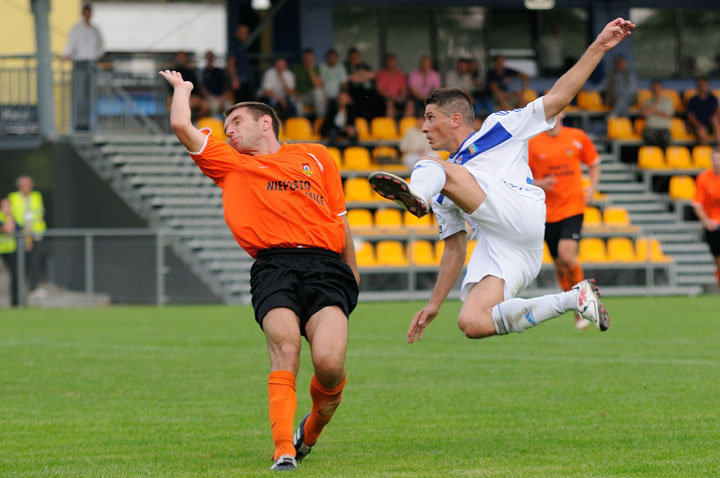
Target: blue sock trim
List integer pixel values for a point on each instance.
(502, 319)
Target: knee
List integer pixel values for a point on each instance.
(476, 325)
(329, 369)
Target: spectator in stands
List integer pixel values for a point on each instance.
(702, 113)
(339, 120)
(28, 211)
(658, 112)
(414, 145)
(620, 88)
(361, 85)
(214, 87)
(715, 73)
(333, 75)
(551, 52)
(309, 85)
(278, 89)
(199, 106)
(707, 207)
(8, 246)
(460, 77)
(392, 86)
(498, 83)
(84, 48)
(482, 99)
(241, 75)
(421, 82)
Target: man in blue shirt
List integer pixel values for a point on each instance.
(702, 112)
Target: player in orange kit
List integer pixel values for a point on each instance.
(707, 207)
(284, 204)
(555, 157)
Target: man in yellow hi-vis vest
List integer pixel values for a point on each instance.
(28, 211)
(8, 246)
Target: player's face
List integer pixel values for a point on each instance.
(437, 128)
(243, 131)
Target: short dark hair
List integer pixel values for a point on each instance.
(257, 110)
(451, 101)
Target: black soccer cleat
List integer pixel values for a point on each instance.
(301, 449)
(397, 189)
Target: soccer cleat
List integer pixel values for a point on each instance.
(588, 304)
(397, 189)
(301, 449)
(284, 463)
(580, 323)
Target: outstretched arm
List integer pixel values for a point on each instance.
(189, 135)
(568, 85)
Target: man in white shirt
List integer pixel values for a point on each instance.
(278, 89)
(84, 48)
(333, 75)
(487, 183)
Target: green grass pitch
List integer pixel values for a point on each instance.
(181, 392)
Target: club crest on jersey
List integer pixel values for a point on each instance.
(306, 169)
(569, 153)
(473, 149)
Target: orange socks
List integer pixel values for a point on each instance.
(576, 275)
(717, 274)
(563, 280)
(283, 401)
(324, 403)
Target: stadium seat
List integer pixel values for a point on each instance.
(650, 249)
(621, 128)
(682, 187)
(365, 254)
(639, 124)
(317, 125)
(651, 157)
(383, 128)
(357, 157)
(406, 123)
(591, 101)
(616, 216)
(387, 157)
(363, 129)
(592, 249)
(675, 99)
(443, 154)
(414, 222)
(300, 129)
(642, 94)
(678, 157)
(336, 155)
(216, 125)
(621, 249)
(529, 95)
(679, 132)
(358, 189)
(470, 248)
(388, 218)
(592, 216)
(422, 253)
(547, 258)
(702, 156)
(439, 249)
(390, 253)
(360, 218)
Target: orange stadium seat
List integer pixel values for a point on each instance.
(387, 156)
(299, 129)
(383, 128)
(357, 157)
(650, 249)
(621, 128)
(390, 253)
(678, 157)
(414, 222)
(336, 155)
(317, 125)
(702, 156)
(651, 157)
(592, 216)
(358, 189)
(216, 125)
(365, 254)
(679, 132)
(406, 123)
(363, 129)
(682, 187)
(443, 154)
(529, 95)
(360, 218)
(616, 216)
(388, 218)
(592, 249)
(621, 249)
(422, 253)
(591, 101)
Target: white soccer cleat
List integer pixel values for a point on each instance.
(284, 463)
(588, 304)
(397, 189)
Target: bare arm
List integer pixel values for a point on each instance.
(568, 85)
(707, 223)
(348, 253)
(189, 135)
(594, 173)
(451, 265)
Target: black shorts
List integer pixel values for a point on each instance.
(713, 240)
(568, 228)
(302, 280)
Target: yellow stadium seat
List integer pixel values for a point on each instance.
(682, 187)
(406, 123)
(620, 249)
(358, 189)
(317, 125)
(678, 157)
(470, 248)
(383, 128)
(439, 249)
(650, 249)
(675, 99)
(390, 253)
(592, 217)
(443, 154)
(357, 157)
(387, 156)
(388, 218)
(547, 258)
(336, 156)
(365, 254)
(529, 95)
(679, 132)
(414, 222)
(422, 253)
(621, 128)
(639, 125)
(363, 129)
(300, 129)
(702, 156)
(651, 157)
(643, 94)
(591, 101)
(687, 94)
(360, 218)
(217, 127)
(592, 249)
(616, 216)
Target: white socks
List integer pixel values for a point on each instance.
(516, 315)
(427, 179)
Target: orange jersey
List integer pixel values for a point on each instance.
(292, 198)
(560, 156)
(707, 193)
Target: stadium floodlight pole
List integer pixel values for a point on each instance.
(45, 100)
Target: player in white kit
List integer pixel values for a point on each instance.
(488, 183)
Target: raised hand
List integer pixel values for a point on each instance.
(175, 79)
(614, 32)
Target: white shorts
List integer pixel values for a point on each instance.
(511, 227)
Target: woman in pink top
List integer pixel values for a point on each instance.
(422, 82)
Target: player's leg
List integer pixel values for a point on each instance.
(717, 269)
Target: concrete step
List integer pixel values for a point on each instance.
(652, 218)
(635, 197)
(686, 248)
(693, 258)
(705, 279)
(695, 269)
(616, 177)
(643, 207)
(627, 188)
(680, 238)
(673, 228)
